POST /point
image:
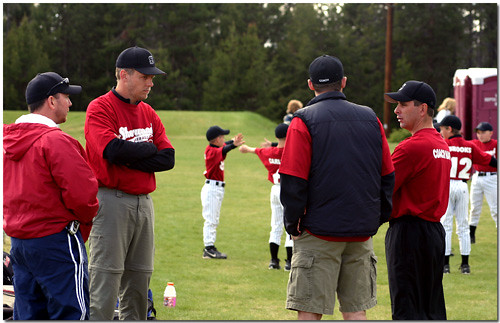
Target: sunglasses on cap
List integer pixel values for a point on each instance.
(64, 81)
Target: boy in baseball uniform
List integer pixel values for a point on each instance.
(484, 180)
(212, 192)
(271, 158)
(463, 155)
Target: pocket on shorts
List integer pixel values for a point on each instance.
(300, 281)
(373, 275)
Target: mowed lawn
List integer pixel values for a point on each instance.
(242, 287)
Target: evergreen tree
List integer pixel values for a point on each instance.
(23, 58)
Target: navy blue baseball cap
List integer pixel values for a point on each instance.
(280, 130)
(451, 121)
(413, 90)
(140, 59)
(46, 84)
(326, 69)
(216, 131)
(484, 126)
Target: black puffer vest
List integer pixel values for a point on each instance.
(345, 175)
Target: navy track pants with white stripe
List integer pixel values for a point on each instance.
(51, 280)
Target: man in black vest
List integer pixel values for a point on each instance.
(337, 179)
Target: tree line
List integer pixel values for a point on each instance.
(244, 56)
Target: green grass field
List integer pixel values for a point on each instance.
(241, 287)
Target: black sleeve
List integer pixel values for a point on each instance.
(493, 162)
(386, 190)
(159, 162)
(119, 151)
(293, 196)
(228, 147)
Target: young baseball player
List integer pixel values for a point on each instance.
(463, 155)
(212, 192)
(271, 158)
(484, 181)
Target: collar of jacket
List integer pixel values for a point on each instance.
(331, 95)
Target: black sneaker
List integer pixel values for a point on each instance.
(213, 253)
(446, 269)
(274, 264)
(288, 264)
(465, 269)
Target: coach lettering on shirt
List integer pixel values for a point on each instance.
(415, 240)
(126, 145)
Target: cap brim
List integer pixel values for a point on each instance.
(395, 97)
(150, 70)
(225, 132)
(72, 89)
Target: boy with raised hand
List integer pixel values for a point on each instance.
(212, 192)
(271, 158)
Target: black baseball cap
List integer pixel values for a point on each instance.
(413, 90)
(140, 59)
(484, 126)
(451, 121)
(46, 84)
(280, 130)
(326, 69)
(216, 131)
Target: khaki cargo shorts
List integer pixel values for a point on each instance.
(320, 268)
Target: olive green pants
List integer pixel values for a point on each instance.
(121, 254)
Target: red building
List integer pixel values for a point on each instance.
(476, 93)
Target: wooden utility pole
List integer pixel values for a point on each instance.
(388, 69)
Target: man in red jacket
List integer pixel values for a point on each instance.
(49, 203)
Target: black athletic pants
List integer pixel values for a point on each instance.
(414, 250)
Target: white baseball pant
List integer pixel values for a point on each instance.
(277, 226)
(212, 195)
(458, 206)
(483, 186)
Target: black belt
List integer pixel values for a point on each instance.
(485, 173)
(216, 182)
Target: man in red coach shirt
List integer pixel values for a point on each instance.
(415, 240)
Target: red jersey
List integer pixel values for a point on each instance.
(108, 118)
(490, 148)
(271, 158)
(214, 163)
(463, 154)
(422, 163)
(47, 182)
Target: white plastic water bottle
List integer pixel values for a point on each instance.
(169, 296)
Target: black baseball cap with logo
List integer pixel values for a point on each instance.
(216, 131)
(413, 90)
(484, 126)
(326, 69)
(140, 59)
(46, 84)
(451, 121)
